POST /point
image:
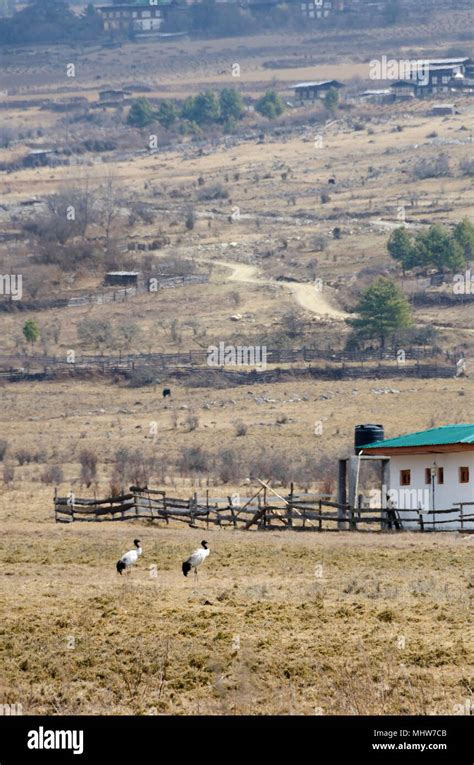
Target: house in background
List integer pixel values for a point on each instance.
(431, 471)
(403, 90)
(308, 92)
(376, 96)
(318, 9)
(112, 97)
(435, 76)
(136, 19)
(122, 279)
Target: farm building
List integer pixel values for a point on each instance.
(441, 109)
(38, 158)
(131, 18)
(403, 90)
(122, 278)
(306, 92)
(112, 96)
(377, 96)
(318, 9)
(423, 78)
(431, 471)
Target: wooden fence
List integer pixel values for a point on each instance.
(264, 510)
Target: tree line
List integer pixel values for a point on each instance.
(437, 247)
(50, 21)
(207, 108)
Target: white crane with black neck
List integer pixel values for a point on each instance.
(195, 559)
(126, 561)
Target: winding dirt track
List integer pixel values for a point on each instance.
(306, 295)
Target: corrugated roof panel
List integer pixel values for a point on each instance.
(446, 434)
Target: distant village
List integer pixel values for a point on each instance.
(421, 78)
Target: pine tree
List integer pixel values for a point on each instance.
(401, 248)
(382, 310)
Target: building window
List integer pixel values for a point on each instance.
(440, 475)
(405, 477)
(434, 80)
(428, 475)
(463, 475)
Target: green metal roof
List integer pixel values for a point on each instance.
(446, 434)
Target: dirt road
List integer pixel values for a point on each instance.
(307, 295)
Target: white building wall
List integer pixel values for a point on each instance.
(445, 495)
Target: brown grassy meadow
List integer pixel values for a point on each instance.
(282, 622)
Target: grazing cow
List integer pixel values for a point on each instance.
(166, 392)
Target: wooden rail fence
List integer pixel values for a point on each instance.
(299, 512)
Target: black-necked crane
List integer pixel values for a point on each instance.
(196, 558)
(126, 561)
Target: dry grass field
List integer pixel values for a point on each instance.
(283, 623)
(277, 622)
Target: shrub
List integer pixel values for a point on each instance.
(229, 468)
(190, 220)
(217, 191)
(270, 105)
(88, 460)
(98, 333)
(191, 422)
(52, 475)
(8, 472)
(193, 459)
(138, 378)
(466, 166)
(133, 466)
(240, 429)
(3, 448)
(437, 167)
(24, 456)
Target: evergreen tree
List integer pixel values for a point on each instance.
(231, 104)
(31, 331)
(438, 247)
(382, 310)
(141, 113)
(464, 235)
(167, 114)
(401, 248)
(270, 105)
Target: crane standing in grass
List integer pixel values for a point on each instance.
(126, 561)
(195, 559)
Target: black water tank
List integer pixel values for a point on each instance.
(367, 434)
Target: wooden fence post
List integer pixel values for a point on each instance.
(420, 520)
(290, 507)
(342, 492)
